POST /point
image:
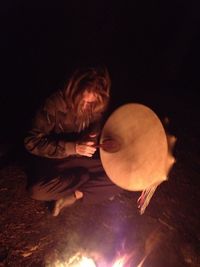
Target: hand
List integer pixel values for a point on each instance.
(85, 149)
(110, 145)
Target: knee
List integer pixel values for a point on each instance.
(36, 193)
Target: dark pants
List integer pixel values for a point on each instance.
(50, 179)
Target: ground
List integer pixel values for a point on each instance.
(167, 233)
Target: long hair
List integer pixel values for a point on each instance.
(96, 80)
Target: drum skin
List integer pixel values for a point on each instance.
(142, 156)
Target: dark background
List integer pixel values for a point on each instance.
(151, 49)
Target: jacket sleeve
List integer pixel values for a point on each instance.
(41, 139)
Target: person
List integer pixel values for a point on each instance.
(63, 139)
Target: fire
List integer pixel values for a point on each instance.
(79, 260)
(120, 262)
(124, 258)
(82, 261)
(87, 262)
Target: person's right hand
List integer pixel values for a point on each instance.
(85, 149)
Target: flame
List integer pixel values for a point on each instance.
(121, 261)
(124, 260)
(82, 261)
(87, 262)
(79, 260)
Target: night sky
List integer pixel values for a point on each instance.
(151, 49)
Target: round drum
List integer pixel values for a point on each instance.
(138, 156)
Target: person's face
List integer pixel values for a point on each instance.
(88, 99)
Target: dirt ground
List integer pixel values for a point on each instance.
(168, 233)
